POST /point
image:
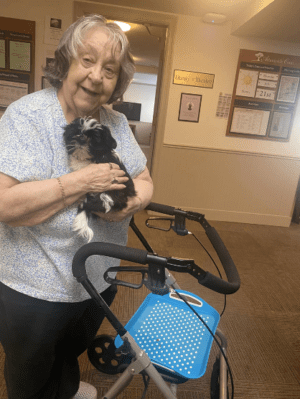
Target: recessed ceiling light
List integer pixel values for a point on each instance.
(125, 27)
(214, 18)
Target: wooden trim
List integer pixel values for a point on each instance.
(207, 149)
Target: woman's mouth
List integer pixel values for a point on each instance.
(89, 92)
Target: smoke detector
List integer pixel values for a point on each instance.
(213, 18)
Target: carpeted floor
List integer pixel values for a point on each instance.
(261, 321)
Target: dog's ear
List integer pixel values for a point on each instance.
(70, 131)
(108, 138)
(74, 132)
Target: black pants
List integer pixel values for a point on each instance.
(42, 341)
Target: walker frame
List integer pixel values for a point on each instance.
(159, 280)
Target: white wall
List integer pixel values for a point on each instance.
(201, 47)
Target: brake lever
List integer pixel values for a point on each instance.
(115, 281)
(171, 220)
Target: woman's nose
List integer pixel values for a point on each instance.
(96, 74)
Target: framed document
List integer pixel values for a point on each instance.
(189, 110)
(246, 84)
(280, 125)
(250, 121)
(45, 83)
(19, 56)
(11, 91)
(17, 59)
(265, 96)
(288, 89)
(2, 54)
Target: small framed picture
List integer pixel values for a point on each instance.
(45, 83)
(189, 110)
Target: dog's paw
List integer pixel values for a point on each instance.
(108, 202)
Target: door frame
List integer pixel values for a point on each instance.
(139, 16)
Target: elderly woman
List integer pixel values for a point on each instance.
(46, 318)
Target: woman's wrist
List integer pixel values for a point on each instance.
(140, 203)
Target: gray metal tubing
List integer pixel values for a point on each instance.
(122, 382)
(223, 366)
(141, 362)
(171, 281)
(159, 382)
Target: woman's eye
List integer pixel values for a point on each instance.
(110, 71)
(87, 60)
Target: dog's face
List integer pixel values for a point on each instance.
(100, 140)
(74, 136)
(89, 134)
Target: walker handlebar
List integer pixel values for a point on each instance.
(213, 282)
(143, 257)
(105, 249)
(209, 281)
(166, 209)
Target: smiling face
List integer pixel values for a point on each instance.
(92, 76)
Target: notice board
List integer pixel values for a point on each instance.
(17, 44)
(265, 96)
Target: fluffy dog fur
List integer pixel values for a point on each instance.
(87, 141)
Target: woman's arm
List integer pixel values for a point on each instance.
(144, 187)
(31, 203)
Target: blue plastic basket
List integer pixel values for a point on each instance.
(172, 335)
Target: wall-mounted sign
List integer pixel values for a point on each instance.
(19, 56)
(53, 30)
(265, 95)
(17, 44)
(223, 105)
(189, 109)
(196, 79)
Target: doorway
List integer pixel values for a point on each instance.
(147, 39)
(147, 43)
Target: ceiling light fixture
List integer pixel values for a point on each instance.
(125, 27)
(213, 18)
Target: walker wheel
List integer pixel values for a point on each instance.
(102, 354)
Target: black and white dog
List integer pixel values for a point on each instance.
(87, 141)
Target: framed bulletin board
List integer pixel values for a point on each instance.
(265, 96)
(17, 44)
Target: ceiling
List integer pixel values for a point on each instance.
(268, 19)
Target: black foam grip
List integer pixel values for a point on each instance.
(105, 249)
(166, 209)
(213, 282)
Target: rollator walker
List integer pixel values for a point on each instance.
(170, 336)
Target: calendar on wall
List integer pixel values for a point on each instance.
(17, 39)
(265, 96)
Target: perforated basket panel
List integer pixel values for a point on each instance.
(172, 335)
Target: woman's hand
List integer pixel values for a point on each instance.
(144, 188)
(97, 178)
(32, 203)
(134, 205)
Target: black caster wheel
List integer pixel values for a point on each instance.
(102, 354)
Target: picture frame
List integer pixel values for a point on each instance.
(189, 109)
(45, 83)
(288, 89)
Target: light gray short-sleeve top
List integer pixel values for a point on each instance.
(37, 260)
